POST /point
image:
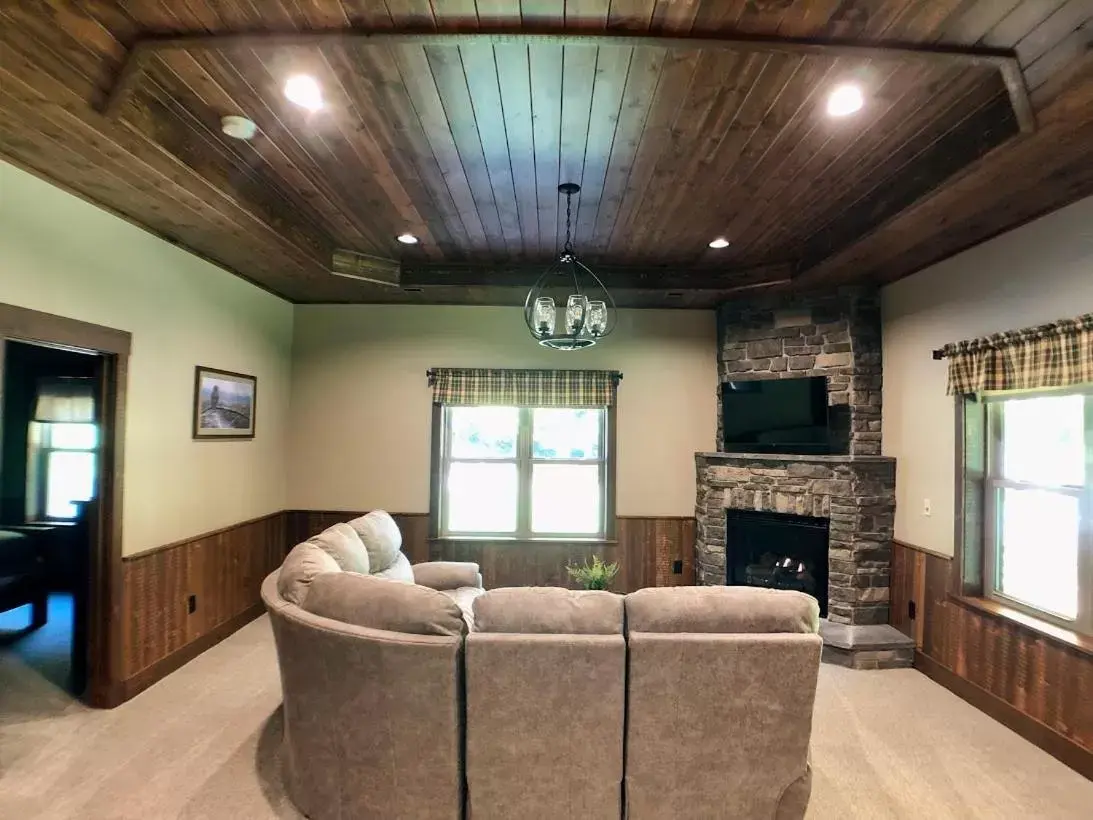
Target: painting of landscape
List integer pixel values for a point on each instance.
(224, 404)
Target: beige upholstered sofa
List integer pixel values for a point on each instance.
(436, 699)
(720, 690)
(371, 673)
(546, 681)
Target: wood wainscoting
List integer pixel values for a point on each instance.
(648, 551)
(222, 569)
(1032, 682)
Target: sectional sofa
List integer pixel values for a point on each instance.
(410, 693)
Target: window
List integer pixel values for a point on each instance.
(61, 469)
(523, 473)
(1038, 527)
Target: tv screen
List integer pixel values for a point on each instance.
(776, 416)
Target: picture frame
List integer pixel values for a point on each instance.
(225, 404)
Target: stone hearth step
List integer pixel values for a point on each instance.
(872, 646)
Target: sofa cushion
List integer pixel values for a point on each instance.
(364, 600)
(551, 610)
(343, 545)
(400, 570)
(447, 574)
(464, 598)
(729, 609)
(301, 566)
(381, 538)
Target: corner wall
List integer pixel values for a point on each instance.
(61, 255)
(1038, 273)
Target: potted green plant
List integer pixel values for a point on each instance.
(597, 575)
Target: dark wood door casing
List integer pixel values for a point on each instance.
(104, 605)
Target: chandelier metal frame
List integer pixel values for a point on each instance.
(584, 321)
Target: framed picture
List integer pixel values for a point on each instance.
(224, 404)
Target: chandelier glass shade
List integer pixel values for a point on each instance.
(568, 307)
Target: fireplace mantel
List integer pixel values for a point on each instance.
(823, 459)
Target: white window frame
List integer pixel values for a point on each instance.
(525, 463)
(996, 483)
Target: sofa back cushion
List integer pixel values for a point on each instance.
(376, 603)
(727, 610)
(381, 537)
(447, 574)
(399, 570)
(549, 610)
(342, 544)
(302, 565)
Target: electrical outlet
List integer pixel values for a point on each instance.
(927, 510)
(191, 604)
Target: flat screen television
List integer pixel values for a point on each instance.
(776, 416)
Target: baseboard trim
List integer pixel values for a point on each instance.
(1039, 734)
(133, 686)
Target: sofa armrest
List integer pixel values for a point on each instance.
(442, 575)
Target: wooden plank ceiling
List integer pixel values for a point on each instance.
(462, 139)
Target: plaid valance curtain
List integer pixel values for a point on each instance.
(1059, 354)
(524, 388)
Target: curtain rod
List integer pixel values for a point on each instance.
(430, 374)
(939, 353)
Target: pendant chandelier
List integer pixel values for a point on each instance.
(589, 312)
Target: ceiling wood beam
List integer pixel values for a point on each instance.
(614, 277)
(1004, 60)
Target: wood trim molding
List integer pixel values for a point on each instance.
(1055, 744)
(996, 609)
(23, 324)
(926, 550)
(102, 616)
(136, 684)
(1004, 60)
(184, 541)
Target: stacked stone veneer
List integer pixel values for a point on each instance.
(856, 494)
(840, 340)
(836, 335)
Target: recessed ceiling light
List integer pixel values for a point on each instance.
(407, 239)
(720, 242)
(304, 91)
(237, 127)
(845, 99)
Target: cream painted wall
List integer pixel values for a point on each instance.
(361, 410)
(61, 255)
(1037, 273)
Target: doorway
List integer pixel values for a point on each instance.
(62, 391)
(49, 454)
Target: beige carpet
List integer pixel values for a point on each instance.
(205, 743)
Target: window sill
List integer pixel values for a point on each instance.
(1058, 634)
(474, 539)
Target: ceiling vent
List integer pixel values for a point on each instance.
(364, 268)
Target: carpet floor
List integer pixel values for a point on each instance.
(206, 743)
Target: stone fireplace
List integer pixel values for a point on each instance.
(854, 494)
(849, 497)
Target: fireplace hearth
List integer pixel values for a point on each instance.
(777, 551)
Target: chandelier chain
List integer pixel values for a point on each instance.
(568, 247)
